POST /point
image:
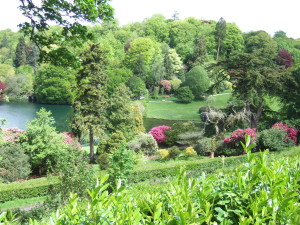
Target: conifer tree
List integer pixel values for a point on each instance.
(20, 59)
(92, 101)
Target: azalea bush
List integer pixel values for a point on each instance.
(158, 133)
(144, 143)
(291, 133)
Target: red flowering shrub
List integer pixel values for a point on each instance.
(158, 133)
(238, 136)
(2, 89)
(292, 133)
(71, 140)
(11, 134)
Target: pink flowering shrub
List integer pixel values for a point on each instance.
(11, 134)
(238, 136)
(71, 140)
(292, 133)
(166, 85)
(158, 133)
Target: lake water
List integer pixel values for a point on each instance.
(18, 113)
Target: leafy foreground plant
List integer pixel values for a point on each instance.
(258, 192)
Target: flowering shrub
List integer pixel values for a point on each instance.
(159, 133)
(233, 141)
(292, 133)
(166, 85)
(11, 134)
(163, 153)
(71, 140)
(189, 151)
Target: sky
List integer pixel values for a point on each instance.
(249, 15)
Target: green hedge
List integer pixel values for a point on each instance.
(193, 168)
(27, 189)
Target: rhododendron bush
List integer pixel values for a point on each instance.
(292, 133)
(11, 134)
(158, 133)
(238, 135)
(71, 140)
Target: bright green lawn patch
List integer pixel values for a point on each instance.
(21, 203)
(179, 111)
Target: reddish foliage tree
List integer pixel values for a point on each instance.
(2, 89)
(158, 133)
(285, 58)
(166, 84)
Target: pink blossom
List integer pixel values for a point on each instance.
(71, 140)
(239, 135)
(158, 133)
(11, 134)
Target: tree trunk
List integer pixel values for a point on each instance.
(212, 155)
(255, 117)
(218, 51)
(91, 145)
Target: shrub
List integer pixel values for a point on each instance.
(291, 133)
(158, 133)
(11, 134)
(178, 128)
(112, 143)
(14, 163)
(103, 161)
(71, 140)
(184, 95)
(205, 145)
(163, 153)
(273, 139)
(238, 136)
(166, 85)
(174, 152)
(42, 144)
(121, 163)
(189, 151)
(175, 83)
(144, 143)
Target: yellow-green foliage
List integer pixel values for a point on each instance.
(138, 119)
(189, 151)
(163, 153)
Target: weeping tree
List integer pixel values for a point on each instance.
(91, 103)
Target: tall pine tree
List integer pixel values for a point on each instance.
(92, 101)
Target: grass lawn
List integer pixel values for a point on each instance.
(170, 110)
(22, 203)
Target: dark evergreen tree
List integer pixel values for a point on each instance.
(200, 55)
(91, 104)
(4, 42)
(32, 55)
(20, 59)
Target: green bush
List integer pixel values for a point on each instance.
(184, 95)
(103, 161)
(121, 163)
(203, 146)
(174, 152)
(27, 189)
(14, 163)
(112, 143)
(144, 143)
(273, 139)
(177, 129)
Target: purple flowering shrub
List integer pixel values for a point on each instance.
(291, 133)
(158, 133)
(71, 140)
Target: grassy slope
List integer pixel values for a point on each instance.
(178, 111)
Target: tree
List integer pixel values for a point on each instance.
(197, 80)
(285, 58)
(119, 111)
(184, 95)
(173, 64)
(255, 74)
(138, 123)
(220, 34)
(20, 59)
(91, 103)
(6, 71)
(233, 40)
(55, 85)
(157, 27)
(199, 54)
(67, 14)
(137, 86)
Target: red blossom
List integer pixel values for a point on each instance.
(292, 133)
(239, 135)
